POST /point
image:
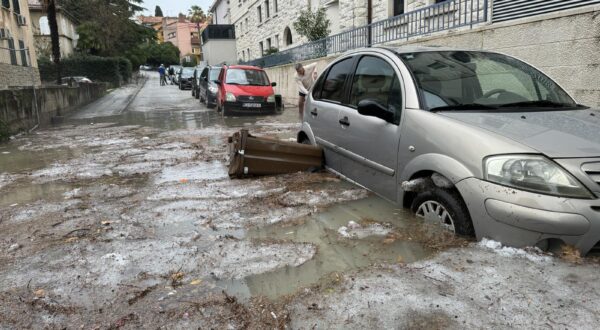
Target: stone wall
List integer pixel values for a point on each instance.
(18, 76)
(17, 106)
(564, 45)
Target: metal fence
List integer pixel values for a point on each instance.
(424, 21)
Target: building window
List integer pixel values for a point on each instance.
(23, 53)
(276, 41)
(13, 52)
(249, 56)
(287, 36)
(243, 55)
(268, 43)
(44, 26)
(262, 49)
(6, 3)
(259, 9)
(275, 9)
(267, 12)
(16, 7)
(398, 7)
(246, 20)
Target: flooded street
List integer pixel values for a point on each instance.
(123, 216)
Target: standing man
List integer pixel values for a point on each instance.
(162, 72)
(305, 78)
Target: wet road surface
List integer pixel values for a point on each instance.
(124, 216)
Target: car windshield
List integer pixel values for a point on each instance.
(460, 80)
(214, 74)
(187, 72)
(247, 77)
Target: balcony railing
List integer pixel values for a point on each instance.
(424, 21)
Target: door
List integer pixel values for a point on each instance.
(370, 144)
(203, 82)
(323, 107)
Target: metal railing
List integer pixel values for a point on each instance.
(443, 16)
(505, 10)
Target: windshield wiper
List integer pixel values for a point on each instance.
(539, 104)
(466, 106)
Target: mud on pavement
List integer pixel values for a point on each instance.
(111, 226)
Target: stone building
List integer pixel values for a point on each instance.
(262, 24)
(220, 13)
(67, 30)
(18, 61)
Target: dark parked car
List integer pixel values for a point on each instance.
(176, 69)
(196, 80)
(185, 78)
(208, 88)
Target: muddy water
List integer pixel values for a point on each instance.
(334, 252)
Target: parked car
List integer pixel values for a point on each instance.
(177, 70)
(145, 67)
(208, 87)
(245, 90)
(185, 77)
(196, 81)
(75, 79)
(480, 142)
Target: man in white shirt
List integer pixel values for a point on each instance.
(305, 78)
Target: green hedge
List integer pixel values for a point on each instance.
(114, 70)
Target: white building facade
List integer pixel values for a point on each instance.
(219, 10)
(263, 25)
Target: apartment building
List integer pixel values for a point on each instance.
(67, 30)
(18, 61)
(185, 35)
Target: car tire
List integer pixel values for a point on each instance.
(225, 111)
(196, 94)
(446, 207)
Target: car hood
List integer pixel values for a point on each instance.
(557, 134)
(249, 90)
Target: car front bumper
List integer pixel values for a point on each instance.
(239, 108)
(519, 218)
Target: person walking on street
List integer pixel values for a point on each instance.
(172, 75)
(162, 72)
(305, 78)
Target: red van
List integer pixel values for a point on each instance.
(245, 90)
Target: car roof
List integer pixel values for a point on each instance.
(244, 67)
(416, 49)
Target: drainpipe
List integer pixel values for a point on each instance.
(369, 21)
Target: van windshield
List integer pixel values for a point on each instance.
(460, 80)
(246, 77)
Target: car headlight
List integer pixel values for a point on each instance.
(271, 98)
(229, 97)
(533, 173)
(213, 89)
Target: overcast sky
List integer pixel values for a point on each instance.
(174, 7)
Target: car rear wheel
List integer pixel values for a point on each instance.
(196, 94)
(445, 207)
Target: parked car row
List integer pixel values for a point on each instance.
(479, 142)
(232, 89)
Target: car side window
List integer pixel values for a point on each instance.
(376, 80)
(333, 85)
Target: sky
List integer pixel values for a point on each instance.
(174, 7)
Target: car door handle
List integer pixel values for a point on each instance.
(314, 112)
(344, 121)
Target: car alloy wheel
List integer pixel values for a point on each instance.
(435, 212)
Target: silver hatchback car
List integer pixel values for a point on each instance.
(480, 142)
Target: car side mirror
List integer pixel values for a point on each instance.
(273, 84)
(205, 78)
(373, 108)
(218, 82)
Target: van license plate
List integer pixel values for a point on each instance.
(251, 105)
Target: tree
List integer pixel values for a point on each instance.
(158, 12)
(50, 8)
(313, 25)
(196, 15)
(271, 51)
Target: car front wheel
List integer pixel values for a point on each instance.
(444, 207)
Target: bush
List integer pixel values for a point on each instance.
(4, 132)
(107, 69)
(125, 68)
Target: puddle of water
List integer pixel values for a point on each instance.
(33, 192)
(334, 254)
(15, 160)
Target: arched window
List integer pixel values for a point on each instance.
(44, 26)
(287, 36)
